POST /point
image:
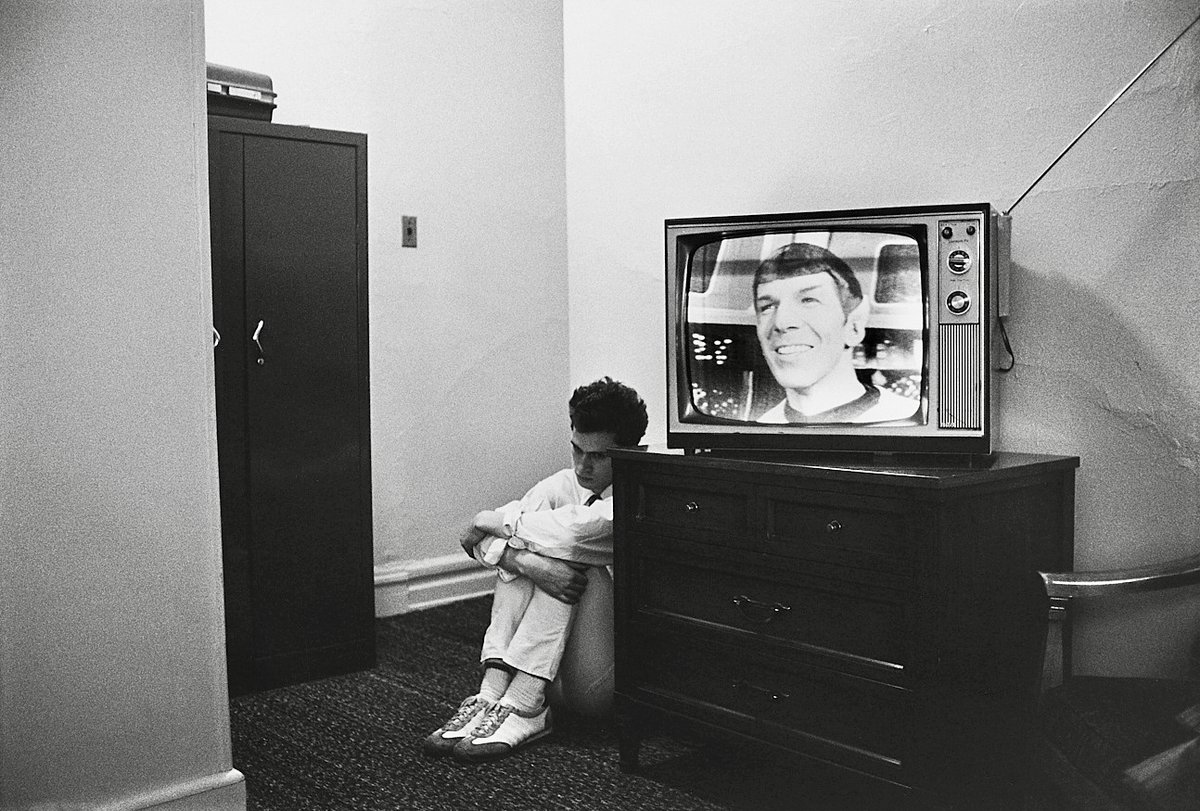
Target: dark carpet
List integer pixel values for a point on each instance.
(353, 742)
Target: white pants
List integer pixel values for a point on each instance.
(570, 646)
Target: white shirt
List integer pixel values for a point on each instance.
(555, 520)
(891, 406)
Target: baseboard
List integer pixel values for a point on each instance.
(414, 585)
(215, 792)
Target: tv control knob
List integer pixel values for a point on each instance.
(947, 232)
(958, 302)
(959, 262)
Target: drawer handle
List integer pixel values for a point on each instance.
(738, 684)
(833, 526)
(691, 506)
(747, 605)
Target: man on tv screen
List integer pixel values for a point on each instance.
(810, 314)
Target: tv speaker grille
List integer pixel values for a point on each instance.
(960, 390)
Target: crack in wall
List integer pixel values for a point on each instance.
(1158, 428)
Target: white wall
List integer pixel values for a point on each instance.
(112, 657)
(702, 107)
(462, 104)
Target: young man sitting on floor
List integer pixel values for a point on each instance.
(551, 620)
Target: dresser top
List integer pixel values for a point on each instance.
(912, 470)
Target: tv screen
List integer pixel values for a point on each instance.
(832, 330)
(807, 327)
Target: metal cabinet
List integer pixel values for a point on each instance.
(289, 260)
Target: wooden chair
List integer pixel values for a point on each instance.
(1111, 742)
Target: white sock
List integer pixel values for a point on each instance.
(495, 682)
(526, 692)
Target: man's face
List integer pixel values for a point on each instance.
(802, 328)
(589, 452)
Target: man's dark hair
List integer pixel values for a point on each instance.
(611, 407)
(803, 259)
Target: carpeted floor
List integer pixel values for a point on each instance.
(353, 742)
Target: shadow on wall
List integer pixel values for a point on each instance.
(1106, 348)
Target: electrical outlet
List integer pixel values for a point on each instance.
(408, 227)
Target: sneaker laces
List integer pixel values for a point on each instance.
(492, 720)
(466, 712)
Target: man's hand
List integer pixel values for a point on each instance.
(485, 523)
(490, 522)
(470, 538)
(561, 580)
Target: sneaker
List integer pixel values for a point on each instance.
(470, 713)
(502, 731)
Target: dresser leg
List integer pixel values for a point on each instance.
(629, 743)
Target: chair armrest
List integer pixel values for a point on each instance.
(1154, 577)
(1062, 587)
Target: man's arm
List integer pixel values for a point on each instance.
(550, 520)
(552, 546)
(576, 533)
(547, 520)
(561, 580)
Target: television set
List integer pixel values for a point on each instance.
(859, 331)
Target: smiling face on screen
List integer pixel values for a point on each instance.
(803, 328)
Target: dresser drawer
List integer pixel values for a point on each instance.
(864, 630)
(858, 722)
(692, 507)
(854, 531)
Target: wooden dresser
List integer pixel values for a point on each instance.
(885, 620)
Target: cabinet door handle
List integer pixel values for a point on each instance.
(747, 605)
(262, 356)
(774, 695)
(216, 338)
(833, 526)
(691, 506)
